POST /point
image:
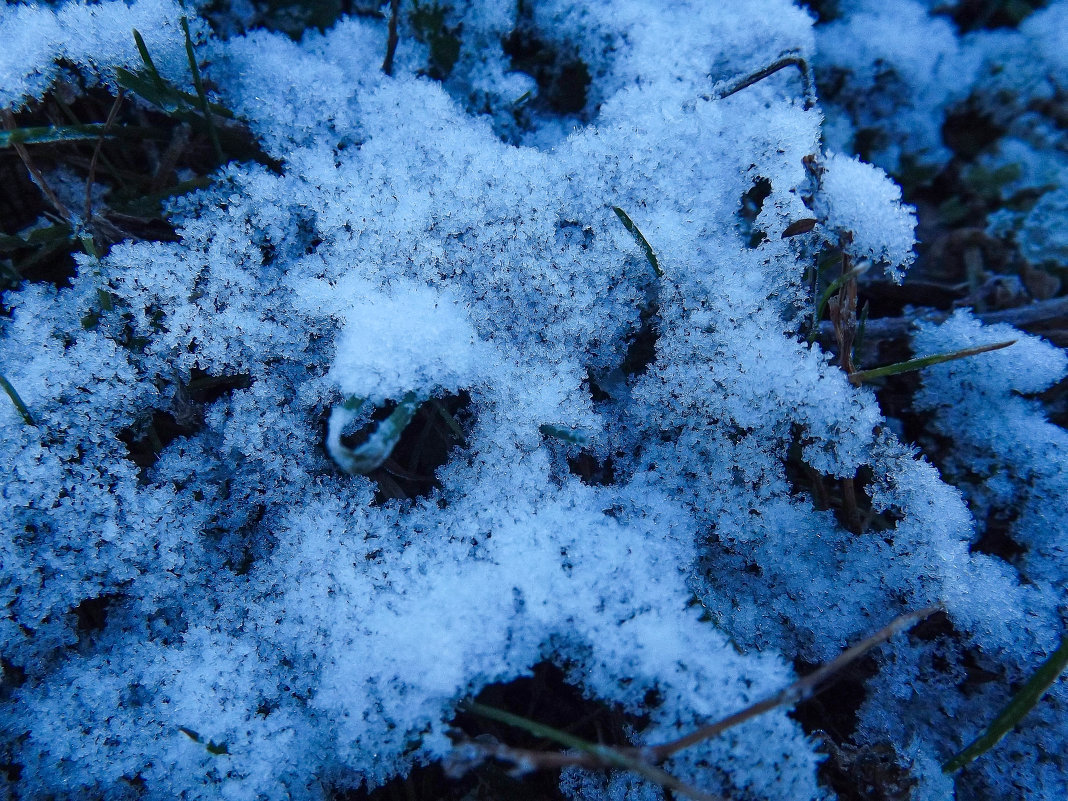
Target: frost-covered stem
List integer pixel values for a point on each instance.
(798, 691)
(791, 58)
(391, 37)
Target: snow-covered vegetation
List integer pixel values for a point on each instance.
(505, 355)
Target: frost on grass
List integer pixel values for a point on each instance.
(92, 37)
(244, 587)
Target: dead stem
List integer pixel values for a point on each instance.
(791, 58)
(91, 179)
(391, 38)
(643, 760)
(35, 172)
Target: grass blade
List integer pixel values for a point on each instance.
(149, 64)
(639, 237)
(168, 99)
(60, 232)
(50, 134)
(201, 96)
(212, 747)
(15, 399)
(924, 361)
(379, 444)
(1021, 703)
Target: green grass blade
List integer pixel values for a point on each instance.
(50, 134)
(169, 99)
(217, 749)
(1021, 703)
(538, 729)
(201, 95)
(924, 361)
(571, 435)
(147, 59)
(639, 237)
(149, 205)
(59, 232)
(15, 399)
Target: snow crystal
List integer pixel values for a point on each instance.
(860, 202)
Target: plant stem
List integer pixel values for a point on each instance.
(391, 37)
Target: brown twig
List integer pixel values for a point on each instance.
(798, 691)
(1034, 315)
(791, 58)
(391, 38)
(91, 179)
(644, 759)
(35, 172)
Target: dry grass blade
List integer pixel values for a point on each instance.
(797, 691)
(924, 361)
(38, 176)
(91, 179)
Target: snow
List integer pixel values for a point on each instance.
(260, 596)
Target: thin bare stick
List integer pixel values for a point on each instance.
(798, 691)
(38, 176)
(91, 179)
(391, 38)
(1034, 315)
(643, 760)
(790, 58)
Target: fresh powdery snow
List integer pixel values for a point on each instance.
(414, 243)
